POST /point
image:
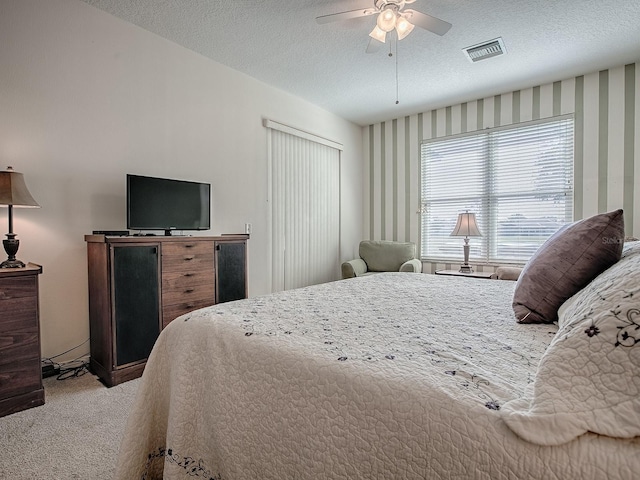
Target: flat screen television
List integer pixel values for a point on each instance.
(167, 204)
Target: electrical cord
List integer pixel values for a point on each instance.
(67, 351)
(49, 362)
(74, 368)
(74, 371)
(68, 369)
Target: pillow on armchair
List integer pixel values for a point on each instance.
(383, 256)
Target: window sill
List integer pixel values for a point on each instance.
(473, 262)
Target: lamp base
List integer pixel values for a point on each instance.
(11, 245)
(466, 268)
(12, 264)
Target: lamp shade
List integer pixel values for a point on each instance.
(403, 27)
(466, 226)
(13, 190)
(386, 20)
(377, 34)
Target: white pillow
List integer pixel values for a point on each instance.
(588, 380)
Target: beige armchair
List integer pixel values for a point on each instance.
(507, 273)
(382, 256)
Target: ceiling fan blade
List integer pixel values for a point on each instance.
(373, 46)
(336, 17)
(422, 20)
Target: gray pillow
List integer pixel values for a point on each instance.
(565, 263)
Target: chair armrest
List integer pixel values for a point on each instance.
(353, 268)
(507, 273)
(414, 266)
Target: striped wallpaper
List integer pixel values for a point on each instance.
(606, 106)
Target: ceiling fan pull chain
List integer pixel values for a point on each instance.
(397, 87)
(391, 45)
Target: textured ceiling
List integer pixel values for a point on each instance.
(279, 43)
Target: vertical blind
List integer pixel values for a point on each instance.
(305, 212)
(517, 180)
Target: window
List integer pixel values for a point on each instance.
(517, 180)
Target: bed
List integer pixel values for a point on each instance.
(390, 376)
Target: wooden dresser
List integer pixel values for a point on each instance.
(20, 365)
(138, 285)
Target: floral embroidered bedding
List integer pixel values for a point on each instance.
(390, 376)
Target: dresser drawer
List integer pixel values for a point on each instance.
(19, 345)
(186, 248)
(171, 312)
(182, 279)
(18, 287)
(187, 261)
(17, 313)
(20, 377)
(187, 294)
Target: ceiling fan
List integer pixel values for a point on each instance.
(391, 15)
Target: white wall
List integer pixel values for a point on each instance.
(86, 98)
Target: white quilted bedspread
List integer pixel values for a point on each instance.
(390, 376)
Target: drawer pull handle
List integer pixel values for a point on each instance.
(189, 290)
(189, 245)
(188, 258)
(188, 274)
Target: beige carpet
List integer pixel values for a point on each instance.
(74, 435)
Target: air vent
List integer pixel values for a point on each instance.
(489, 49)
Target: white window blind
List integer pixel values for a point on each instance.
(518, 181)
(305, 208)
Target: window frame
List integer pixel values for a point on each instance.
(489, 249)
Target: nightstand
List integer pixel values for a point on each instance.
(457, 273)
(20, 368)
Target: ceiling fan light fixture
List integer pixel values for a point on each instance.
(386, 20)
(378, 34)
(403, 27)
(390, 15)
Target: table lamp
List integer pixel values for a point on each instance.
(13, 192)
(466, 227)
